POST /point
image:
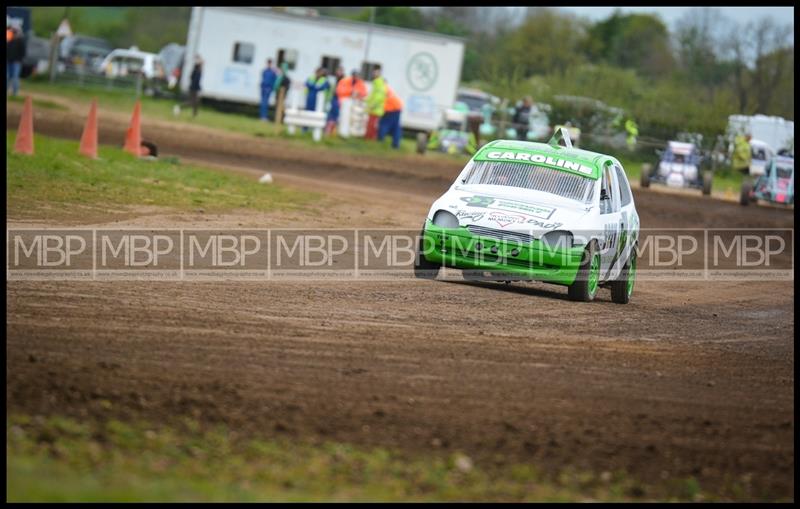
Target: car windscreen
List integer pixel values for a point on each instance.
(474, 103)
(530, 176)
(784, 172)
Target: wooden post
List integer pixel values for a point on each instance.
(279, 105)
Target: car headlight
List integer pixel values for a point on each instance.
(558, 239)
(445, 219)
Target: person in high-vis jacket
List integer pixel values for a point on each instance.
(742, 154)
(375, 102)
(314, 85)
(390, 122)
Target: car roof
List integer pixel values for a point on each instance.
(594, 161)
(131, 53)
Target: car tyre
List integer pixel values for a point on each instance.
(587, 280)
(707, 178)
(622, 287)
(645, 177)
(424, 269)
(744, 197)
(422, 143)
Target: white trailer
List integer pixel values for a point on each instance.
(235, 42)
(776, 132)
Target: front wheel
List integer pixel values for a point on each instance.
(622, 288)
(645, 177)
(707, 183)
(422, 143)
(587, 281)
(424, 269)
(744, 197)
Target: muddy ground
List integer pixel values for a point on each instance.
(689, 379)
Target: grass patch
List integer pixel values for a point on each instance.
(57, 177)
(161, 108)
(37, 103)
(61, 459)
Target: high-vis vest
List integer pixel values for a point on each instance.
(392, 102)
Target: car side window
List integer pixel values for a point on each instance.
(608, 199)
(625, 196)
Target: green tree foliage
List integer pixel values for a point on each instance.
(632, 41)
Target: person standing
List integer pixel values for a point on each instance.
(351, 87)
(333, 114)
(282, 84)
(375, 103)
(522, 118)
(194, 88)
(268, 78)
(390, 121)
(742, 154)
(15, 53)
(314, 85)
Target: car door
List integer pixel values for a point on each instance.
(629, 221)
(610, 220)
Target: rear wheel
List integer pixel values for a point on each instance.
(645, 177)
(587, 281)
(707, 177)
(622, 288)
(422, 143)
(423, 269)
(747, 188)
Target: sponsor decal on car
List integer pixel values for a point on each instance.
(534, 210)
(556, 162)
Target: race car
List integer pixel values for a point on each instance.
(549, 212)
(679, 166)
(775, 185)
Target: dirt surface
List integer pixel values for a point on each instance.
(689, 379)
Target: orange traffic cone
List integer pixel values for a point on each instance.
(89, 137)
(24, 143)
(133, 139)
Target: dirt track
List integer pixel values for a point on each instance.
(690, 379)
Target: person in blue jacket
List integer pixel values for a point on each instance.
(268, 77)
(314, 85)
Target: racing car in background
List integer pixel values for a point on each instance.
(775, 185)
(679, 166)
(549, 212)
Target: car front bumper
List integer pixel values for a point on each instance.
(461, 249)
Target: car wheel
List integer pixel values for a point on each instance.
(424, 269)
(422, 143)
(622, 288)
(707, 177)
(744, 197)
(645, 177)
(587, 281)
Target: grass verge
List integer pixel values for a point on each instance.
(61, 459)
(161, 108)
(56, 177)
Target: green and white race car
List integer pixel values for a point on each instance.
(534, 211)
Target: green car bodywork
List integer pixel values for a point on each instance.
(456, 247)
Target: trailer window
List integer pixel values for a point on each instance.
(289, 56)
(366, 70)
(330, 64)
(243, 52)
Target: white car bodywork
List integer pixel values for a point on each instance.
(530, 212)
(676, 174)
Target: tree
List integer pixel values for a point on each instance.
(547, 41)
(634, 41)
(759, 55)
